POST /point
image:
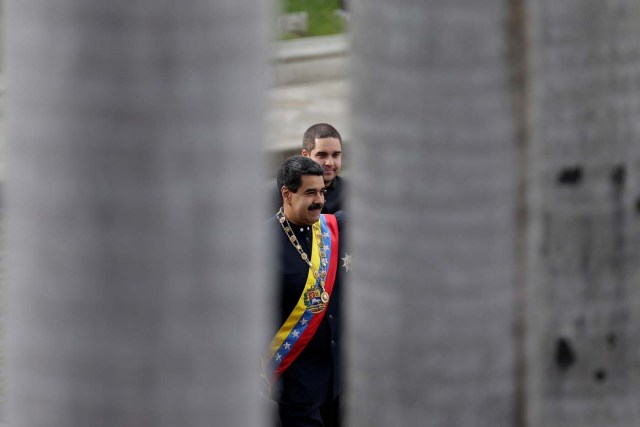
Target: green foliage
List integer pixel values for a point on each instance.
(323, 20)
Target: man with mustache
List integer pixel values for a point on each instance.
(323, 143)
(303, 363)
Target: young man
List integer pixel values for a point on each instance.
(322, 143)
(303, 363)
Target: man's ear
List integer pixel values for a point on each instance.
(305, 153)
(285, 193)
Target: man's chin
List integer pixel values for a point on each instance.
(314, 215)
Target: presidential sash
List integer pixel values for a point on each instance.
(303, 322)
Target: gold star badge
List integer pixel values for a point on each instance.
(346, 261)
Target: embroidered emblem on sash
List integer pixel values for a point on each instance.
(313, 300)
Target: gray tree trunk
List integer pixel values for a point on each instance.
(431, 298)
(584, 275)
(136, 291)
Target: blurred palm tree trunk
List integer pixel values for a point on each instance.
(136, 287)
(583, 281)
(433, 230)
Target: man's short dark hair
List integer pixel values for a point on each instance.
(291, 171)
(319, 131)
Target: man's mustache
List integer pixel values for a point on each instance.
(315, 206)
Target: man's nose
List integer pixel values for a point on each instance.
(329, 161)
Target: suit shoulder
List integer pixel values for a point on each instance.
(341, 180)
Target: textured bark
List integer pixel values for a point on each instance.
(583, 292)
(134, 205)
(431, 298)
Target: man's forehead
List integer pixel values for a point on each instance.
(327, 145)
(312, 181)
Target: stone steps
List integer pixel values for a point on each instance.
(311, 86)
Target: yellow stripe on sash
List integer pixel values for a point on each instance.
(300, 307)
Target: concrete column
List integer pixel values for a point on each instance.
(137, 293)
(432, 293)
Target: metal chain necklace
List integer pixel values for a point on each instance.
(322, 275)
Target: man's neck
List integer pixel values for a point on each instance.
(329, 184)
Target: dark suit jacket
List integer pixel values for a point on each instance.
(315, 376)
